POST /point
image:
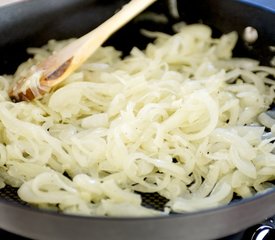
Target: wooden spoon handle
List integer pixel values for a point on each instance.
(60, 65)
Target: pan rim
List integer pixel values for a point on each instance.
(264, 4)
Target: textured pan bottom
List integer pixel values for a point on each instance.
(150, 200)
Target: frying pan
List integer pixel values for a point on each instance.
(34, 22)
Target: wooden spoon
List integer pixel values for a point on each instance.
(59, 66)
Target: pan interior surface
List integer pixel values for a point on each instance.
(13, 45)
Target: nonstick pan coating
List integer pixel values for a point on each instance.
(34, 22)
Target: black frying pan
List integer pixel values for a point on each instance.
(34, 22)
